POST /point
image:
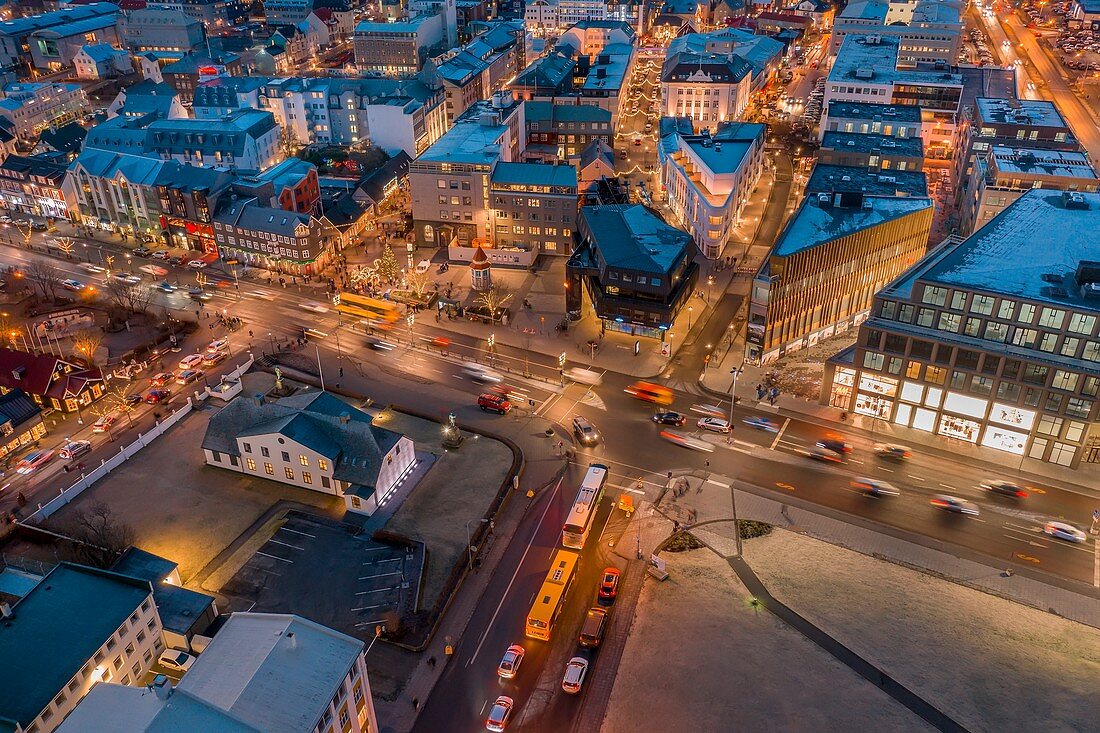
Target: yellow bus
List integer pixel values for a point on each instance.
(377, 313)
(551, 597)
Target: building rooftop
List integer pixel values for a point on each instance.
(534, 174)
(632, 237)
(551, 72)
(110, 708)
(866, 10)
(705, 68)
(609, 67)
(1039, 162)
(910, 147)
(758, 50)
(475, 137)
(31, 23)
(895, 113)
(864, 60)
(1045, 240)
(409, 26)
(816, 223)
(1030, 112)
(858, 179)
(76, 28)
(548, 112)
(272, 671)
(55, 629)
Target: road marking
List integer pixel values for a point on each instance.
(288, 529)
(285, 544)
(380, 575)
(952, 488)
(782, 485)
(1028, 540)
(515, 574)
(855, 460)
(367, 608)
(779, 435)
(884, 468)
(717, 483)
(370, 623)
(275, 557)
(916, 478)
(1096, 565)
(378, 590)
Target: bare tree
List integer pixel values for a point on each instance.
(418, 283)
(131, 297)
(25, 230)
(493, 298)
(99, 535)
(86, 342)
(66, 246)
(45, 276)
(119, 396)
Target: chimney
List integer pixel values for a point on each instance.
(345, 419)
(291, 641)
(162, 686)
(5, 610)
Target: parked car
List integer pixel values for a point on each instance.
(160, 254)
(159, 380)
(187, 376)
(1063, 531)
(156, 396)
(197, 264)
(213, 358)
(75, 449)
(71, 284)
(714, 424)
(509, 664)
(103, 424)
(575, 671)
(190, 362)
(218, 345)
(499, 714)
(609, 585)
(669, 418)
(175, 659)
(34, 461)
(142, 252)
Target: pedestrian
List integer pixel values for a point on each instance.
(431, 662)
(416, 703)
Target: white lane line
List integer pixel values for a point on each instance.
(274, 557)
(380, 575)
(916, 478)
(285, 544)
(855, 460)
(392, 559)
(952, 488)
(779, 435)
(884, 468)
(1028, 540)
(1096, 565)
(717, 483)
(504, 595)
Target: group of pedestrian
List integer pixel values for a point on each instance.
(772, 393)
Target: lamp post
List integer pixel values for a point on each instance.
(690, 309)
(561, 367)
(491, 341)
(469, 544)
(736, 372)
(272, 340)
(411, 320)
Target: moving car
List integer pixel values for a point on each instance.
(824, 455)
(166, 286)
(156, 396)
(481, 374)
(71, 284)
(127, 277)
(650, 392)
(33, 461)
(687, 441)
(585, 431)
(892, 451)
(1004, 488)
(761, 423)
(669, 418)
(218, 345)
(509, 664)
(190, 362)
(187, 376)
(175, 659)
(94, 269)
(197, 264)
(313, 306)
(834, 444)
(609, 585)
(1063, 531)
(142, 252)
(159, 380)
(954, 504)
(75, 449)
(497, 720)
(575, 671)
(213, 358)
(103, 424)
(714, 424)
(490, 402)
(874, 487)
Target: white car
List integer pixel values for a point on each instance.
(714, 424)
(509, 665)
(160, 254)
(190, 362)
(874, 487)
(575, 671)
(197, 264)
(497, 720)
(481, 374)
(89, 267)
(1063, 531)
(176, 659)
(72, 284)
(218, 345)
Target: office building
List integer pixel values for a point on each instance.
(763, 54)
(927, 30)
(211, 13)
(551, 18)
(33, 185)
(35, 106)
(632, 269)
(397, 49)
(52, 49)
(160, 29)
(246, 140)
(869, 150)
(835, 253)
(709, 178)
(286, 12)
(893, 120)
(108, 190)
(707, 88)
(535, 212)
(833, 179)
(15, 33)
(262, 673)
(1005, 174)
(1006, 357)
(77, 628)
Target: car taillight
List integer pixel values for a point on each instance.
(1021, 493)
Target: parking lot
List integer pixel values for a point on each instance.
(327, 571)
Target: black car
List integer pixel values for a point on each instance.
(669, 418)
(834, 444)
(142, 252)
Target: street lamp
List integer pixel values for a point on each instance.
(736, 372)
(411, 320)
(561, 367)
(272, 340)
(491, 341)
(469, 544)
(690, 309)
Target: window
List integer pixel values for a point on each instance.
(1077, 407)
(958, 300)
(934, 296)
(925, 316)
(1027, 313)
(265, 452)
(1035, 374)
(1032, 397)
(912, 370)
(251, 464)
(1006, 309)
(958, 380)
(289, 472)
(307, 477)
(304, 460)
(286, 456)
(888, 310)
(1069, 346)
(982, 304)
(894, 365)
(905, 313)
(325, 482)
(1052, 318)
(1008, 391)
(935, 375)
(1065, 380)
(973, 327)
(322, 464)
(991, 364)
(949, 322)
(1091, 352)
(1075, 431)
(981, 385)
(1049, 425)
(921, 349)
(1025, 337)
(344, 717)
(1091, 387)
(247, 447)
(1048, 342)
(967, 359)
(269, 469)
(873, 360)
(1080, 323)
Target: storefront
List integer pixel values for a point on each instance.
(841, 393)
(189, 235)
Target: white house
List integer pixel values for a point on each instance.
(313, 441)
(100, 60)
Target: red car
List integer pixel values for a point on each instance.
(609, 586)
(157, 395)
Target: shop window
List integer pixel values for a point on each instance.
(1038, 448)
(924, 419)
(933, 397)
(903, 414)
(1062, 454)
(911, 392)
(957, 427)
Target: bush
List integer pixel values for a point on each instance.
(683, 542)
(750, 529)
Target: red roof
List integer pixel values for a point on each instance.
(44, 374)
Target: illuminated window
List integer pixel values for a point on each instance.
(289, 472)
(304, 460)
(269, 469)
(251, 464)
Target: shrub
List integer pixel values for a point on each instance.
(750, 529)
(683, 542)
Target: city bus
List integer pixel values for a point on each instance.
(579, 522)
(377, 313)
(551, 596)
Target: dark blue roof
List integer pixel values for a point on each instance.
(631, 237)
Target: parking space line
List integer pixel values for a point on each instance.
(306, 534)
(367, 608)
(370, 623)
(377, 590)
(392, 559)
(380, 575)
(275, 557)
(285, 544)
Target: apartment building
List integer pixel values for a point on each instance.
(245, 140)
(821, 276)
(15, 33)
(1007, 173)
(33, 185)
(188, 196)
(868, 150)
(211, 13)
(707, 88)
(32, 107)
(561, 132)
(709, 178)
(397, 49)
(186, 74)
(77, 628)
(1003, 357)
(481, 67)
(275, 239)
(534, 211)
(927, 30)
(590, 37)
(261, 672)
